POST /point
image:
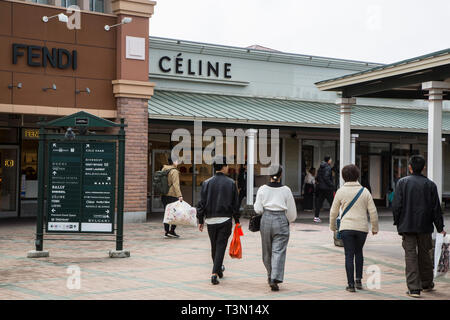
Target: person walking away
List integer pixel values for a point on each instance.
(416, 208)
(325, 186)
(242, 182)
(355, 200)
(308, 190)
(217, 205)
(277, 205)
(174, 193)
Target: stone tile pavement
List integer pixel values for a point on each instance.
(179, 268)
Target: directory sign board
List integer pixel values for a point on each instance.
(81, 187)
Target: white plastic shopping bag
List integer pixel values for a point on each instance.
(441, 255)
(180, 213)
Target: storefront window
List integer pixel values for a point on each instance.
(8, 135)
(68, 3)
(29, 163)
(314, 152)
(446, 167)
(291, 164)
(96, 5)
(400, 156)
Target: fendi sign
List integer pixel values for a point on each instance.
(194, 68)
(38, 56)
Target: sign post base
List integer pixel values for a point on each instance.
(119, 253)
(38, 254)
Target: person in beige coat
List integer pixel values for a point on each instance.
(354, 225)
(174, 193)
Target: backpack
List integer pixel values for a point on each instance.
(160, 182)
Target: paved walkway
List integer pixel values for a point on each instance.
(179, 268)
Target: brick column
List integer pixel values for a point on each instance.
(135, 112)
(132, 91)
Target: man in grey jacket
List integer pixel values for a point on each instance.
(416, 207)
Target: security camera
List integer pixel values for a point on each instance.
(69, 134)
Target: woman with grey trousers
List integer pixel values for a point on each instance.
(276, 204)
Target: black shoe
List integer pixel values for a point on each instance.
(172, 234)
(350, 288)
(430, 288)
(214, 280)
(413, 293)
(166, 235)
(358, 285)
(274, 286)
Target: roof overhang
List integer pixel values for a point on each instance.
(398, 80)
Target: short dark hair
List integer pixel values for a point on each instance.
(172, 159)
(275, 171)
(219, 163)
(417, 163)
(327, 158)
(350, 173)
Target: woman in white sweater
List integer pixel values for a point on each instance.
(276, 203)
(354, 225)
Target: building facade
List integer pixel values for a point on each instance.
(48, 69)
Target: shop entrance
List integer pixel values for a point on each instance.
(400, 168)
(9, 183)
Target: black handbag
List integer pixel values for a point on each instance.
(255, 223)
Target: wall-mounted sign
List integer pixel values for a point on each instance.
(82, 121)
(135, 48)
(81, 187)
(191, 67)
(30, 133)
(38, 56)
(9, 163)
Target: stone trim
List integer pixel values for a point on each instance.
(132, 89)
(57, 111)
(139, 8)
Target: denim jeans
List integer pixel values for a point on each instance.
(353, 247)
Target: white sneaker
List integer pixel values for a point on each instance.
(317, 220)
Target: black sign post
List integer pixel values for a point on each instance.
(80, 181)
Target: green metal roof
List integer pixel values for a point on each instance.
(172, 105)
(391, 65)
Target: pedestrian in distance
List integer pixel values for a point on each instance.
(355, 201)
(242, 182)
(308, 190)
(277, 205)
(174, 193)
(217, 206)
(416, 208)
(325, 186)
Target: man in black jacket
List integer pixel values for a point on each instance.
(325, 186)
(416, 207)
(218, 204)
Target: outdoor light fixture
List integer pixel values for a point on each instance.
(88, 91)
(124, 21)
(19, 86)
(61, 17)
(52, 87)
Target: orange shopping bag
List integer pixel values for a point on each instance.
(235, 246)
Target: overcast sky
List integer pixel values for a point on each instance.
(368, 30)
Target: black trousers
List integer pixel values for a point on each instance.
(320, 196)
(353, 247)
(166, 200)
(419, 266)
(242, 195)
(308, 197)
(218, 235)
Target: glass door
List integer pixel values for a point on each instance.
(400, 168)
(9, 181)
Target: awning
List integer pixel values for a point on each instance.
(183, 106)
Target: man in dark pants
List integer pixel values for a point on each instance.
(416, 208)
(325, 186)
(242, 182)
(218, 204)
